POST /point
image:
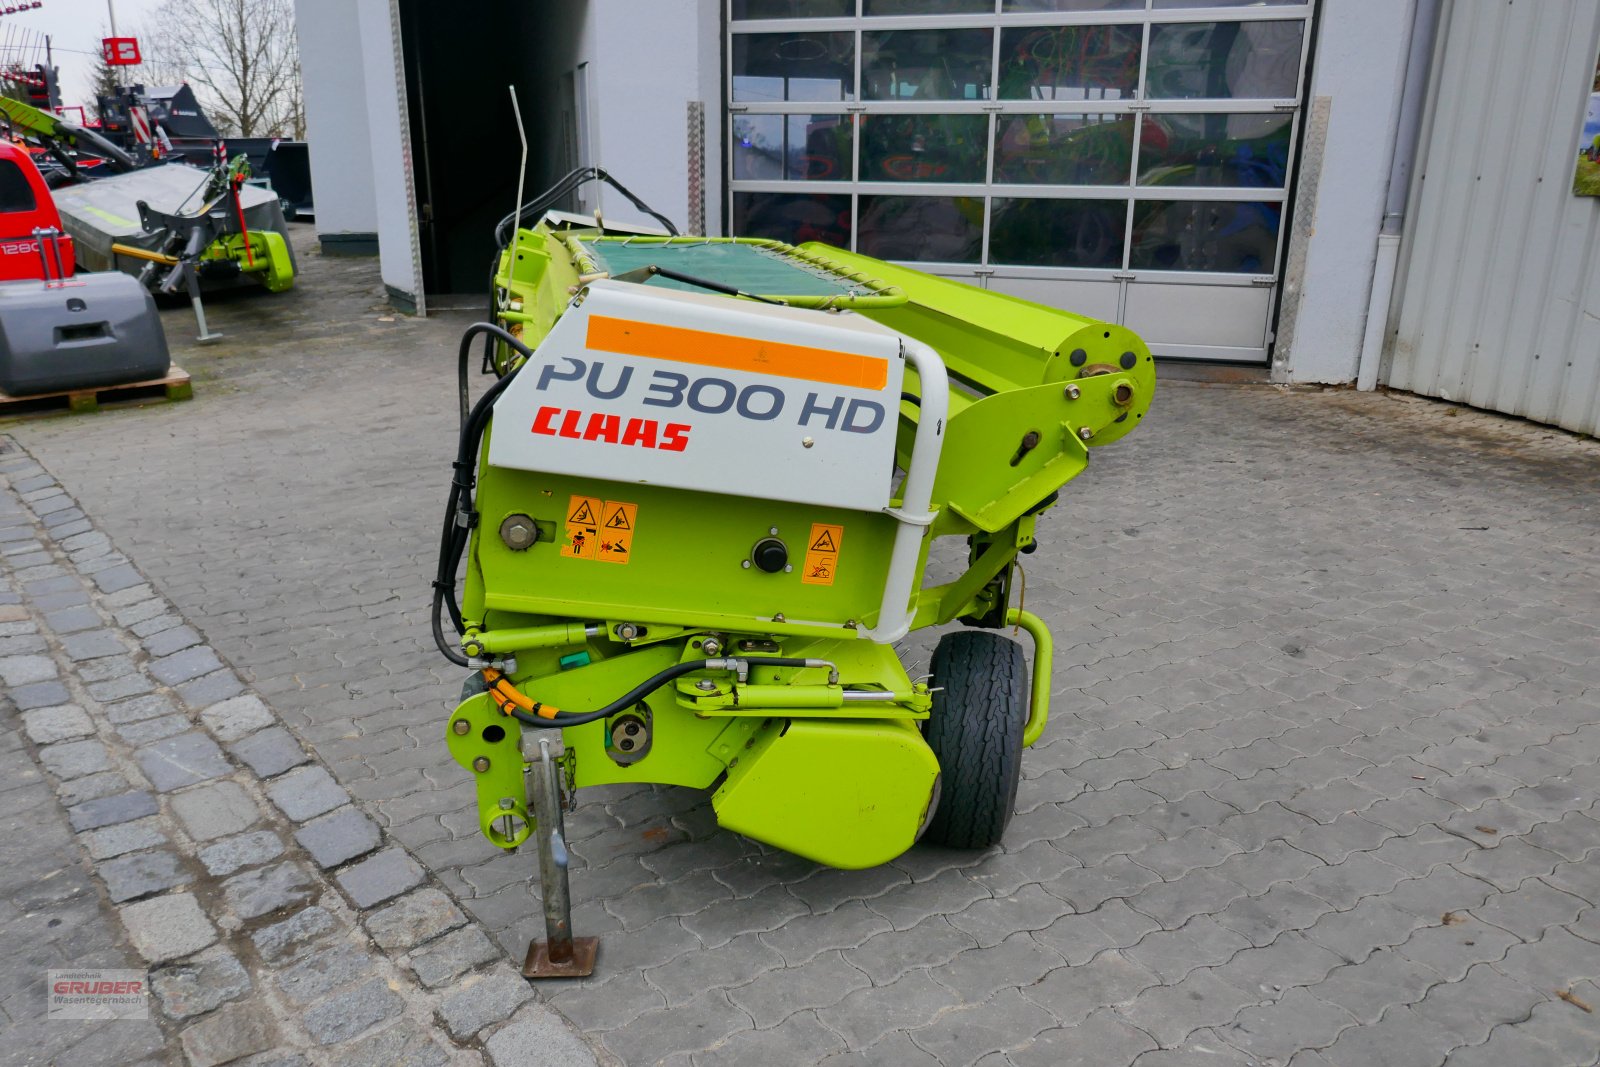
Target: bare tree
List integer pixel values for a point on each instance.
(241, 58)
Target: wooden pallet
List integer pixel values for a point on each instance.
(174, 386)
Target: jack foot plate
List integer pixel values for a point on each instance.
(581, 965)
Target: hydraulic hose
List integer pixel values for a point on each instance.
(575, 178)
(491, 332)
(538, 205)
(459, 516)
(514, 703)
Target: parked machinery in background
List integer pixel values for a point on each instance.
(61, 329)
(133, 211)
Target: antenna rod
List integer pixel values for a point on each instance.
(522, 173)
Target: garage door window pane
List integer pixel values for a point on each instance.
(1224, 60)
(1239, 238)
(791, 147)
(1069, 62)
(1063, 149)
(1012, 6)
(928, 7)
(1215, 150)
(793, 217)
(1161, 4)
(927, 64)
(793, 9)
(924, 148)
(929, 229)
(769, 67)
(1057, 233)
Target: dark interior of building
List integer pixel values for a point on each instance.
(459, 60)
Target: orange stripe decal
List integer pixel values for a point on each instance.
(729, 352)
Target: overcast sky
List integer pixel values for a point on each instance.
(75, 28)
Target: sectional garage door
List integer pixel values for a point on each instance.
(1127, 159)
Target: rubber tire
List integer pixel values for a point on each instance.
(975, 730)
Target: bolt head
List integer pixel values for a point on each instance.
(1086, 433)
(706, 685)
(519, 532)
(462, 726)
(806, 442)
(1073, 392)
(480, 764)
(711, 646)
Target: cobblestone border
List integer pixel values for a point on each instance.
(280, 926)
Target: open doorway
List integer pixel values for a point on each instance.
(459, 60)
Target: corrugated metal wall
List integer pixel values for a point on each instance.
(1499, 300)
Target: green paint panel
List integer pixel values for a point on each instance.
(685, 562)
(497, 740)
(848, 794)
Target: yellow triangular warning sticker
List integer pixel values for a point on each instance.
(619, 521)
(583, 515)
(825, 543)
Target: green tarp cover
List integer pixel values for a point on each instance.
(751, 268)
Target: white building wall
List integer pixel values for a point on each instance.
(646, 63)
(1498, 303)
(336, 118)
(388, 132)
(1359, 69)
(358, 134)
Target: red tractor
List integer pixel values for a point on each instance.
(61, 330)
(26, 213)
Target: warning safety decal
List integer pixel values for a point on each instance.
(599, 529)
(822, 554)
(616, 531)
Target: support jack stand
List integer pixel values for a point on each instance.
(560, 955)
(206, 336)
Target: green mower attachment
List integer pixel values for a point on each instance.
(695, 512)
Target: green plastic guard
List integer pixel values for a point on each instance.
(501, 776)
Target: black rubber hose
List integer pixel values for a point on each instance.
(537, 206)
(546, 199)
(502, 237)
(455, 534)
(642, 690)
(454, 655)
(490, 331)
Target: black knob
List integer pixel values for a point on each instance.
(770, 554)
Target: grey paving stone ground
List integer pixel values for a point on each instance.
(1318, 787)
(183, 866)
(51, 916)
